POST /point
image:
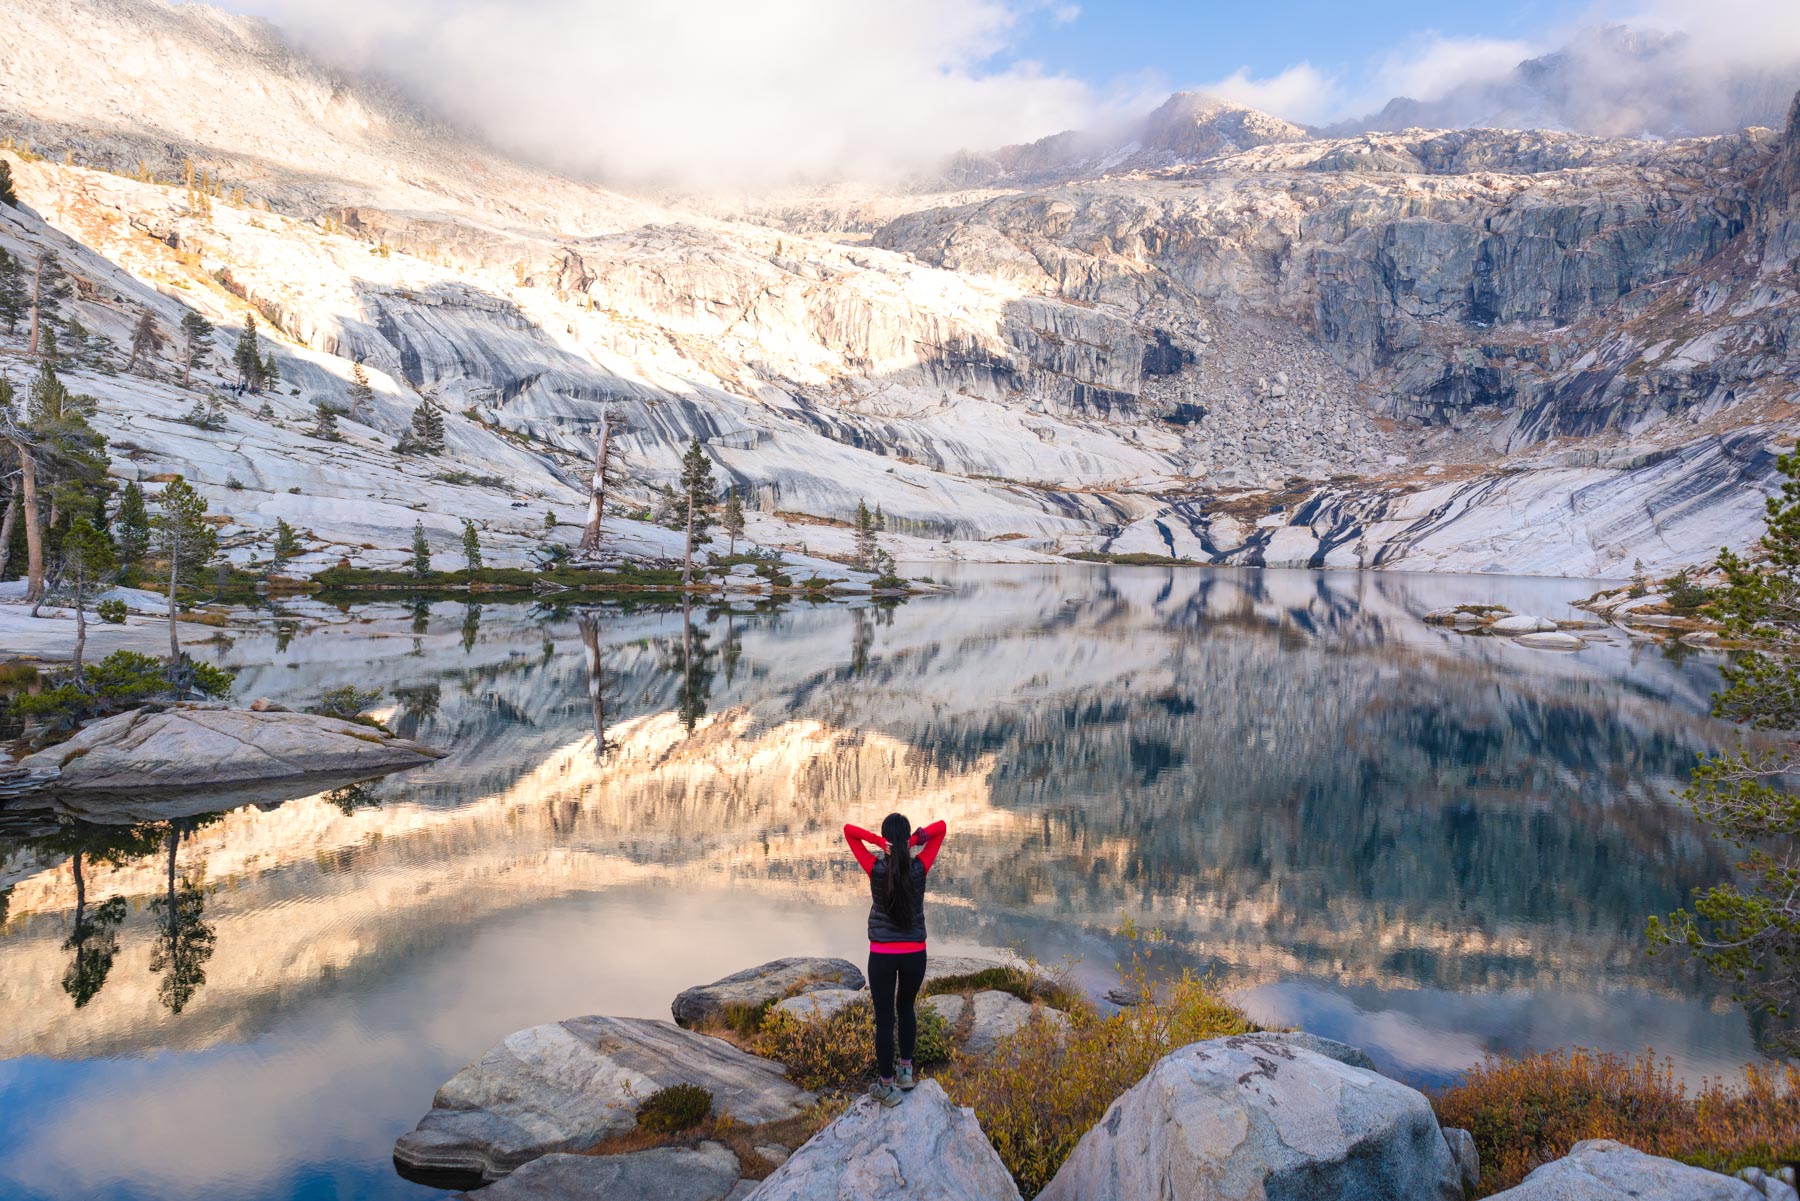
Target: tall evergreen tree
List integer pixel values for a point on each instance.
(63, 468)
(247, 356)
(186, 541)
(146, 343)
(420, 563)
(733, 520)
(471, 543)
(865, 537)
(131, 527)
(8, 196)
(426, 433)
(361, 393)
(270, 372)
(196, 334)
(14, 300)
(697, 498)
(49, 288)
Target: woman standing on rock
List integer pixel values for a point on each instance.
(896, 938)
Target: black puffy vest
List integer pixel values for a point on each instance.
(882, 928)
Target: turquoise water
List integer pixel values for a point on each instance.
(1428, 844)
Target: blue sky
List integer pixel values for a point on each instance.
(1191, 42)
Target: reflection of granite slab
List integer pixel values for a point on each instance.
(127, 807)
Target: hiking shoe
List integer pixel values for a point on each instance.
(885, 1092)
(905, 1078)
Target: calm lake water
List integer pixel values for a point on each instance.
(1426, 844)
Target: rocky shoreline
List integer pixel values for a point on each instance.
(548, 1114)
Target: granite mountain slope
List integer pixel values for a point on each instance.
(1463, 350)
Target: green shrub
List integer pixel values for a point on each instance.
(1525, 1112)
(112, 612)
(1683, 595)
(674, 1109)
(839, 1051)
(1046, 1085)
(123, 680)
(346, 701)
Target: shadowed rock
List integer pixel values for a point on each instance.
(924, 1149)
(708, 1172)
(567, 1085)
(705, 1004)
(1261, 1117)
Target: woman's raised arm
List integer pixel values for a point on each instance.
(930, 839)
(860, 841)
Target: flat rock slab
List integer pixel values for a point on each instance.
(707, 1004)
(1600, 1169)
(924, 1149)
(708, 1172)
(201, 747)
(1522, 623)
(1261, 1118)
(992, 1016)
(946, 967)
(818, 1006)
(1551, 641)
(567, 1085)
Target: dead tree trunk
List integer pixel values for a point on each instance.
(34, 528)
(590, 536)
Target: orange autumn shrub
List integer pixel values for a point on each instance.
(1527, 1111)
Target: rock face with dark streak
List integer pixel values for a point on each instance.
(1261, 1118)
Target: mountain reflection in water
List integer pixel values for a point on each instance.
(1425, 843)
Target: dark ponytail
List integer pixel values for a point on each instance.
(899, 896)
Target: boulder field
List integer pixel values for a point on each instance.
(1270, 1116)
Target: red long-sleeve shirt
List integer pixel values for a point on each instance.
(930, 840)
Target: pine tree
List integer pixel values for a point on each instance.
(271, 373)
(196, 332)
(325, 426)
(13, 298)
(471, 541)
(131, 527)
(287, 543)
(734, 519)
(360, 391)
(79, 345)
(67, 463)
(697, 499)
(87, 557)
(146, 343)
(8, 196)
(426, 434)
(186, 541)
(49, 288)
(247, 357)
(420, 563)
(865, 537)
(1745, 927)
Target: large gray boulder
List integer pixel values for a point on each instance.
(1261, 1118)
(822, 1005)
(567, 1085)
(709, 1004)
(195, 747)
(1599, 1169)
(946, 967)
(924, 1149)
(708, 1172)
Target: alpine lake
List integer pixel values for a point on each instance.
(1425, 843)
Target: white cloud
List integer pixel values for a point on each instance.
(1301, 93)
(1426, 67)
(709, 92)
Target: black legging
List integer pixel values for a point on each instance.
(895, 978)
